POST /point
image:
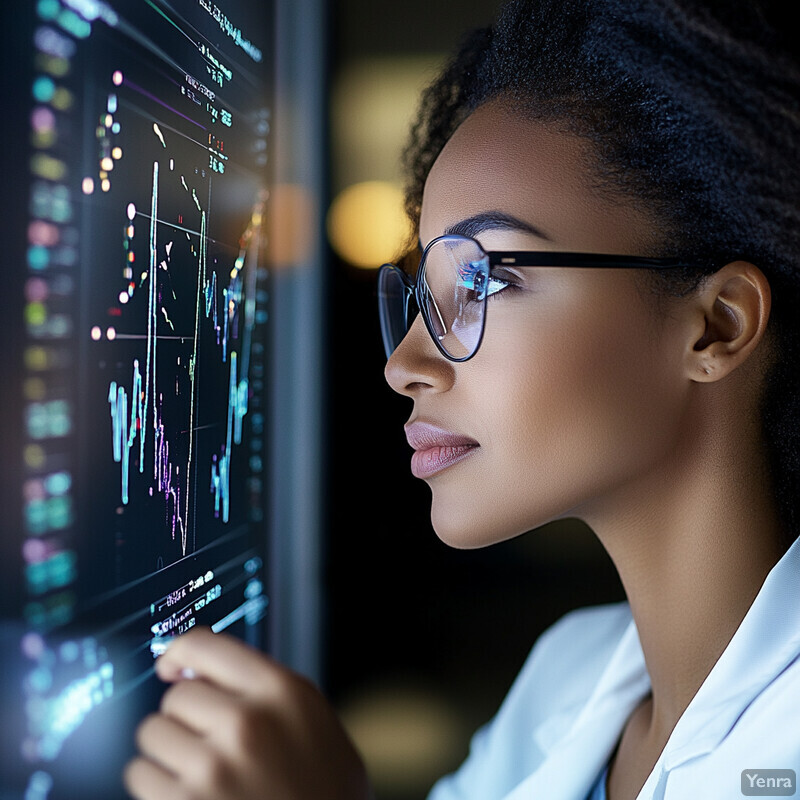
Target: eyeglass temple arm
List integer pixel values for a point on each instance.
(512, 258)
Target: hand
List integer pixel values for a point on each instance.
(242, 728)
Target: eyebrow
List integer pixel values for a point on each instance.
(492, 221)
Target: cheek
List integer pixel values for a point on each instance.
(586, 405)
(567, 406)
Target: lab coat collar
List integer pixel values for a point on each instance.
(765, 643)
(577, 746)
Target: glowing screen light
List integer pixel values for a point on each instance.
(143, 306)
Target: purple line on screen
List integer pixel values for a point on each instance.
(162, 103)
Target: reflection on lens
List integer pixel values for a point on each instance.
(456, 274)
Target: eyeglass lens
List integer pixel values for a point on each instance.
(453, 281)
(394, 303)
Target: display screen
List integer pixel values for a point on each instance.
(139, 395)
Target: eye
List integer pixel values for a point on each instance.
(474, 278)
(497, 284)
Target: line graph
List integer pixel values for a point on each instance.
(143, 438)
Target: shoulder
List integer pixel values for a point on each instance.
(586, 628)
(555, 681)
(570, 656)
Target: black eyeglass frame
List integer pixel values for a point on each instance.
(512, 258)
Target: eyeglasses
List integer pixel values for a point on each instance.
(454, 280)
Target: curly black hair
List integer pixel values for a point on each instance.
(691, 107)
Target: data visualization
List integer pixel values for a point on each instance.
(142, 394)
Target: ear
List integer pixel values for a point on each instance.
(730, 313)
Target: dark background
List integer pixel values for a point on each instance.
(423, 641)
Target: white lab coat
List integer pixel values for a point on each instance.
(565, 712)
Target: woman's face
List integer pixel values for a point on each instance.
(574, 394)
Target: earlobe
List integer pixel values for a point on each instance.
(735, 304)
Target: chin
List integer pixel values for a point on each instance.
(459, 525)
(459, 541)
(464, 531)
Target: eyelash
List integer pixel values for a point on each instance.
(507, 285)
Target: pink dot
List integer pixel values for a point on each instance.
(32, 645)
(34, 551)
(43, 119)
(33, 490)
(36, 290)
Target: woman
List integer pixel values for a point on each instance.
(652, 394)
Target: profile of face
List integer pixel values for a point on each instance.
(576, 393)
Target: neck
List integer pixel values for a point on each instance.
(693, 541)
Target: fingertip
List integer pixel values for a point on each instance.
(167, 672)
(131, 775)
(168, 667)
(218, 658)
(178, 652)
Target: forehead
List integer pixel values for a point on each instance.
(499, 161)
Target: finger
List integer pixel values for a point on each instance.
(145, 780)
(201, 706)
(170, 745)
(222, 660)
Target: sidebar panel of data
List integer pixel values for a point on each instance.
(141, 479)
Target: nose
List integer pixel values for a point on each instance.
(416, 366)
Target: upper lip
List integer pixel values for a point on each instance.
(424, 435)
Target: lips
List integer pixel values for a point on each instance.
(436, 448)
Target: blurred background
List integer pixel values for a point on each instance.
(421, 641)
